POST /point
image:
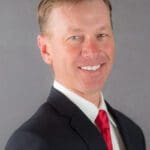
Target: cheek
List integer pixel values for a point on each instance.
(73, 49)
(71, 54)
(109, 50)
(66, 57)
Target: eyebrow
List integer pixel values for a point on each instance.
(74, 29)
(105, 27)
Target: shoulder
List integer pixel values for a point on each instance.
(23, 140)
(127, 121)
(32, 134)
(122, 119)
(131, 132)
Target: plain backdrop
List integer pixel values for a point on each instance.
(25, 80)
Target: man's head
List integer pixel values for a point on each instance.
(45, 7)
(78, 43)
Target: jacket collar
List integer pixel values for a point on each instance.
(127, 128)
(85, 128)
(78, 121)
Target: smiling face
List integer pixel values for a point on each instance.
(79, 45)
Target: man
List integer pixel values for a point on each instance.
(77, 41)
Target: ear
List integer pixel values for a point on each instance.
(44, 48)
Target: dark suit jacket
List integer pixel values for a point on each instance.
(61, 125)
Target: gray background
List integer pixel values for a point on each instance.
(25, 80)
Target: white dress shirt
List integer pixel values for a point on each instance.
(91, 111)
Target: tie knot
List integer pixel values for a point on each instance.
(102, 120)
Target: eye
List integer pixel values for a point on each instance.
(75, 38)
(102, 35)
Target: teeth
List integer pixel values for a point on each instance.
(91, 68)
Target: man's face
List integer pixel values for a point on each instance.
(80, 45)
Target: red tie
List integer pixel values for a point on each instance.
(103, 125)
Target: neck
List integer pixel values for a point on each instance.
(93, 98)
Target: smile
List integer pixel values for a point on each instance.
(91, 68)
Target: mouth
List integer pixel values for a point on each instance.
(91, 68)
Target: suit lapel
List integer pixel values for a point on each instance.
(125, 128)
(78, 121)
(88, 132)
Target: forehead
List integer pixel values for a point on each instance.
(83, 14)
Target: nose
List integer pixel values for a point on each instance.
(90, 48)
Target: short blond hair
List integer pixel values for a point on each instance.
(46, 6)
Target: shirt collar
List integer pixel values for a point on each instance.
(88, 108)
